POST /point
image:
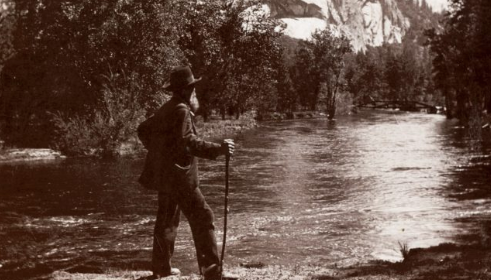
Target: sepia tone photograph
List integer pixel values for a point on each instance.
(245, 139)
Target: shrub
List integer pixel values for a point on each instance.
(89, 37)
(218, 129)
(103, 131)
(344, 104)
(74, 135)
(404, 249)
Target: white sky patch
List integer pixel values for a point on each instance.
(438, 5)
(302, 28)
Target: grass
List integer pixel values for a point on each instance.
(214, 128)
(404, 249)
(445, 261)
(269, 272)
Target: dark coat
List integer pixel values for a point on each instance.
(172, 143)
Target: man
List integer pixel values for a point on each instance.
(171, 168)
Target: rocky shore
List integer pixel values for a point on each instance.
(446, 261)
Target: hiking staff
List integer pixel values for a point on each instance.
(225, 211)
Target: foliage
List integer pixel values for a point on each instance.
(344, 103)
(68, 46)
(235, 48)
(75, 135)
(56, 81)
(404, 249)
(304, 77)
(101, 132)
(462, 61)
(287, 97)
(392, 72)
(214, 128)
(321, 61)
(81, 74)
(7, 23)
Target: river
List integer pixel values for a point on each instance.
(302, 192)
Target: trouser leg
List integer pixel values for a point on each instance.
(200, 216)
(165, 232)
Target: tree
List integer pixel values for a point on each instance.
(64, 49)
(64, 52)
(304, 77)
(442, 69)
(462, 61)
(287, 97)
(367, 74)
(321, 59)
(235, 47)
(7, 25)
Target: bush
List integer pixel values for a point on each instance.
(103, 131)
(89, 37)
(344, 104)
(73, 135)
(216, 129)
(404, 249)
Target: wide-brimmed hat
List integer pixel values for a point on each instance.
(181, 77)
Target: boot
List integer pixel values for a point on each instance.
(213, 273)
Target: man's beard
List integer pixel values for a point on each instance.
(194, 103)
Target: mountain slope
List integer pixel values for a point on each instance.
(365, 22)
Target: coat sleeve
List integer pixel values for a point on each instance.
(190, 141)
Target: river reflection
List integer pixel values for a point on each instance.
(302, 192)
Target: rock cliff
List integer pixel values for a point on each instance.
(365, 22)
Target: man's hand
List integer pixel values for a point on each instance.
(228, 147)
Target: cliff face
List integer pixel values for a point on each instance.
(366, 22)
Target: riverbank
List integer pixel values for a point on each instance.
(20, 155)
(446, 261)
(469, 261)
(217, 128)
(211, 130)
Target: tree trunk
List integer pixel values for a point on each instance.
(488, 103)
(332, 92)
(331, 105)
(332, 111)
(222, 112)
(205, 115)
(448, 103)
(315, 98)
(461, 110)
(475, 114)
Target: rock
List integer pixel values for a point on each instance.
(366, 23)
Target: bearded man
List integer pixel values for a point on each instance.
(171, 168)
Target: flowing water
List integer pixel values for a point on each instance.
(302, 192)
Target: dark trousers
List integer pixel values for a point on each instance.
(200, 216)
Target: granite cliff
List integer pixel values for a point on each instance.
(365, 22)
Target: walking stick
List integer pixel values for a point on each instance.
(225, 212)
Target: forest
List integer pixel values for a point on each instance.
(81, 75)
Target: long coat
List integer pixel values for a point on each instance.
(171, 140)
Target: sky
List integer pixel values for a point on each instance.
(437, 5)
